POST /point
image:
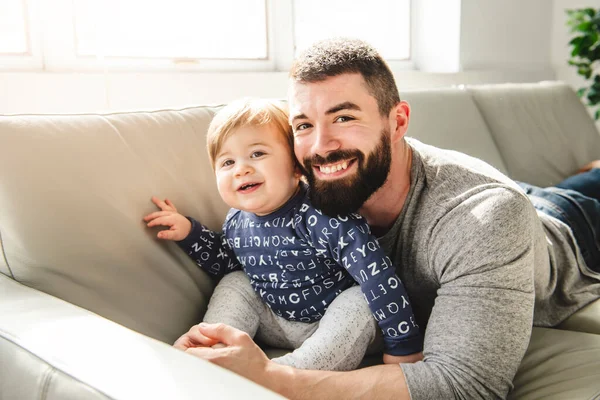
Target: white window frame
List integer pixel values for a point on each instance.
(32, 57)
(52, 46)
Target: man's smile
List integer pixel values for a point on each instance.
(334, 170)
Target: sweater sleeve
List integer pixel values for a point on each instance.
(209, 250)
(349, 242)
(482, 252)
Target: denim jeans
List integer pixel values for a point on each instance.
(576, 202)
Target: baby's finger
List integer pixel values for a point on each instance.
(166, 234)
(157, 214)
(160, 204)
(162, 221)
(170, 204)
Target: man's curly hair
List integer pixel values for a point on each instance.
(333, 57)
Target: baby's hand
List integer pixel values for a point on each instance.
(179, 226)
(411, 358)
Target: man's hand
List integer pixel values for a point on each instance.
(194, 338)
(179, 226)
(239, 354)
(411, 358)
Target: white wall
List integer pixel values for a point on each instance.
(437, 35)
(506, 34)
(499, 41)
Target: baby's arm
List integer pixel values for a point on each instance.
(207, 248)
(353, 247)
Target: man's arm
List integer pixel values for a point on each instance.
(482, 253)
(245, 358)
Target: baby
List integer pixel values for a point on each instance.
(291, 276)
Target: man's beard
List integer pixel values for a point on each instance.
(346, 195)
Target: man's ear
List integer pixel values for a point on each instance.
(298, 172)
(400, 115)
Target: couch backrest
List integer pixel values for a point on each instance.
(542, 130)
(74, 189)
(449, 118)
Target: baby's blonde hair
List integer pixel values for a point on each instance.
(247, 112)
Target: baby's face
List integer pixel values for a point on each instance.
(255, 170)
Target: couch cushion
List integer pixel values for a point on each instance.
(559, 365)
(585, 320)
(448, 118)
(73, 191)
(542, 130)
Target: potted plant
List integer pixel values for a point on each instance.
(585, 52)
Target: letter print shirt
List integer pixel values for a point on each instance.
(299, 260)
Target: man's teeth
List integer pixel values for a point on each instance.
(330, 169)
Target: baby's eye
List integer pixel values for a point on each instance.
(256, 154)
(343, 118)
(227, 163)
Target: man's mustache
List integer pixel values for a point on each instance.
(333, 157)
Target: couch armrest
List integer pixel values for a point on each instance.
(52, 348)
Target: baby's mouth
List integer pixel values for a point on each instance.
(247, 187)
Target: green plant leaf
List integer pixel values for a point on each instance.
(593, 97)
(576, 40)
(584, 26)
(590, 12)
(578, 63)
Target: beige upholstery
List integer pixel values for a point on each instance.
(51, 349)
(74, 189)
(541, 130)
(439, 117)
(559, 365)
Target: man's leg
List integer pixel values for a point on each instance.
(586, 183)
(234, 302)
(581, 213)
(338, 342)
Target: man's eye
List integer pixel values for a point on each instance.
(227, 163)
(302, 127)
(257, 154)
(343, 118)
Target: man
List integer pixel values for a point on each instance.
(465, 240)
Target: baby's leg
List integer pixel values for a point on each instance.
(340, 340)
(234, 302)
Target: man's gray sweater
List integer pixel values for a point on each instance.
(472, 251)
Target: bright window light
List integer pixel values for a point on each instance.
(385, 24)
(13, 33)
(216, 29)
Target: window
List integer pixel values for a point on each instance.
(171, 29)
(215, 35)
(384, 24)
(13, 27)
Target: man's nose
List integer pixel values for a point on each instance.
(326, 141)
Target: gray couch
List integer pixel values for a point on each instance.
(90, 300)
